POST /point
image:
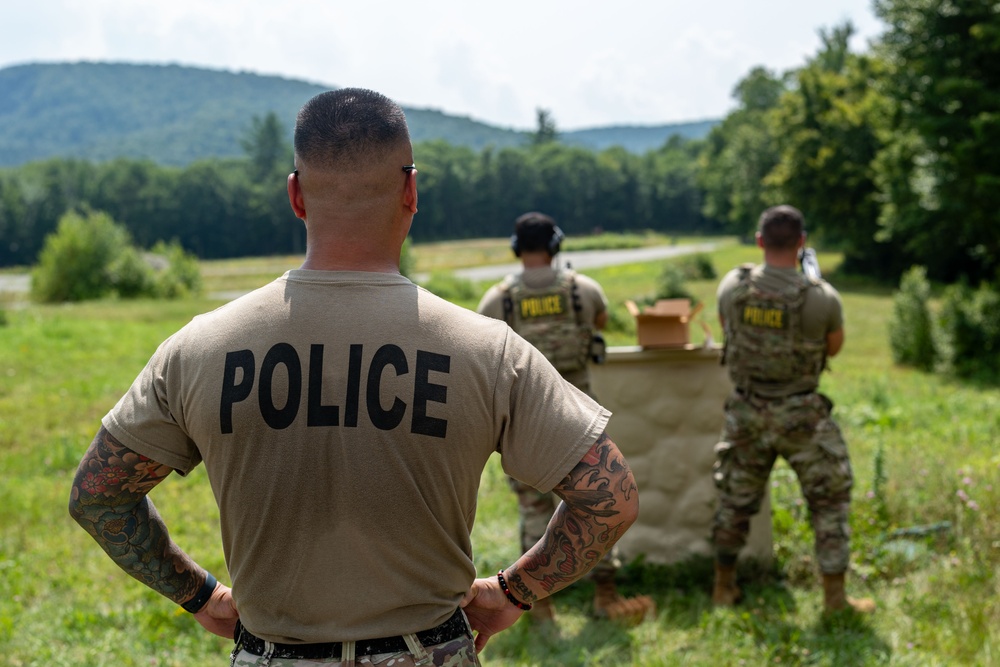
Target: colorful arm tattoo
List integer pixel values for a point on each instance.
(108, 500)
(600, 502)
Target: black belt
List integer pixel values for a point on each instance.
(453, 628)
(752, 394)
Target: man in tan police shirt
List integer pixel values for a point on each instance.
(344, 417)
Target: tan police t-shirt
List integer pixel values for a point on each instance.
(344, 419)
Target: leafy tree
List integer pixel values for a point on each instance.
(267, 148)
(75, 263)
(945, 77)
(832, 122)
(545, 130)
(740, 152)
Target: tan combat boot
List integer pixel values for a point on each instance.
(835, 598)
(725, 592)
(609, 604)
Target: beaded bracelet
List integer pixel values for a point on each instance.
(506, 591)
(195, 604)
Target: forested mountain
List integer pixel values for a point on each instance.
(174, 115)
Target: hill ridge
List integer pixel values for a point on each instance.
(176, 114)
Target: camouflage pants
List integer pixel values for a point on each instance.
(459, 652)
(535, 509)
(801, 430)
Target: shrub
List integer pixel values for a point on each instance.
(75, 261)
(698, 267)
(670, 284)
(970, 331)
(179, 276)
(911, 333)
(90, 256)
(131, 276)
(451, 287)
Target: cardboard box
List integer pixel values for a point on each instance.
(664, 324)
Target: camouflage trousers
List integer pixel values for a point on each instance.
(535, 509)
(459, 652)
(799, 429)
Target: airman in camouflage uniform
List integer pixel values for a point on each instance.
(559, 312)
(780, 327)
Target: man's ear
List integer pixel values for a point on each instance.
(295, 195)
(410, 191)
(760, 240)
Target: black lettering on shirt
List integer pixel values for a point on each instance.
(241, 360)
(285, 354)
(319, 414)
(387, 355)
(353, 387)
(424, 391)
(240, 372)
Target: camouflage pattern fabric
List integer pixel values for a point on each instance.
(547, 318)
(765, 349)
(799, 428)
(535, 509)
(459, 652)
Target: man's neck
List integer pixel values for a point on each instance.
(781, 260)
(536, 260)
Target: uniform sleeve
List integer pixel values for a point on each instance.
(595, 293)
(491, 304)
(722, 293)
(143, 421)
(835, 321)
(546, 424)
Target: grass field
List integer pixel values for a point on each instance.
(926, 541)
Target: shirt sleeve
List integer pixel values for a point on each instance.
(546, 424)
(143, 421)
(491, 304)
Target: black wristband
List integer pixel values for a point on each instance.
(506, 591)
(195, 604)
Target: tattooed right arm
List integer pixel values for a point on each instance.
(600, 502)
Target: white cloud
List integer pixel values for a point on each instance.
(590, 63)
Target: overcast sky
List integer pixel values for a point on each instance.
(589, 63)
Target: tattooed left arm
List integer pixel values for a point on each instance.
(600, 502)
(109, 500)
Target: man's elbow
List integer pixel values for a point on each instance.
(628, 504)
(834, 342)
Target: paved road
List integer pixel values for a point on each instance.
(16, 283)
(590, 259)
(580, 259)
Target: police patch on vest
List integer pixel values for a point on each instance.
(544, 305)
(769, 318)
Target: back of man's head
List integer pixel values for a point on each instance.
(346, 128)
(781, 227)
(534, 232)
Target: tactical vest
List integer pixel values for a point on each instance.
(765, 348)
(549, 319)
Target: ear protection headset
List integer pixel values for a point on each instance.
(554, 242)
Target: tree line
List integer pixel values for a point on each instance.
(893, 154)
(231, 208)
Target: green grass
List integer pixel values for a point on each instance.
(926, 539)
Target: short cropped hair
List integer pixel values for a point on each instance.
(345, 127)
(534, 231)
(781, 227)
